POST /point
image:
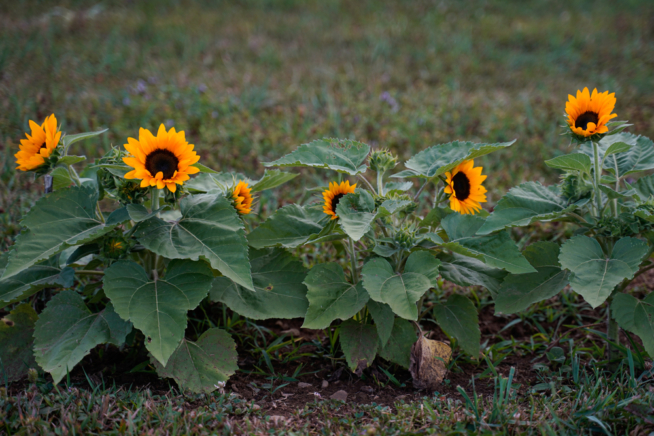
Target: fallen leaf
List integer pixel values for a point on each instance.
(429, 361)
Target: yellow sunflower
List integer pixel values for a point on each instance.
(588, 113)
(464, 184)
(242, 198)
(334, 194)
(164, 160)
(39, 146)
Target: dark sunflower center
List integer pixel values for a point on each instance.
(461, 185)
(585, 118)
(162, 160)
(335, 201)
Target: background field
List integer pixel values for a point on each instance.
(250, 80)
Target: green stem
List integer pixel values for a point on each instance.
(596, 179)
(380, 183)
(154, 199)
(363, 178)
(88, 272)
(616, 210)
(415, 197)
(73, 175)
(353, 262)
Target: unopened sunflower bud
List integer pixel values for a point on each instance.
(405, 239)
(382, 160)
(574, 187)
(32, 375)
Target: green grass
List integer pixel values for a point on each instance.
(248, 81)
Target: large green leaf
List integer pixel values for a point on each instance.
(278, 282)
(355, 213)
(384, 318)
(398, 348)
(639, 157)
(288, 227)
(158, 307)
(458, 318)
(645, 187)
(331, 296)
(401, 291)
(525, 204)
(468, 271)
(342, 155)
(16, 340)
(571, 162)
(208, 229)
(200, 366)
(56, 222)
(442, 158)
(595, 274)
(31, 280)
(519, 291)
(69, 140)
(272, 179)
(67, 331)
(636, 316)
(359, 343)
(496, 250)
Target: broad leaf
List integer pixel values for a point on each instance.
(525, 204)
(67, 331)
(60, 179)
(435, 216)
(278, 282)
(391, 187)
(398, 348)
(359, 343)
(342, 155)
(389, 207)
(208, 229)
(331, 296)
(69, 140)
(594, 274)
(571, 162)
(636, 316)
(272, 179)
(355, 213)
(458, 318)
(384, 318)
(442, 158)
(496, 250)
(30, 281)
(639, 157)
(518, 292)
(401, 291)
(158, 307)
(468, 271)
(56, 222)
(207, 183)
(71, 160)
(138, 212)
(645, 187)
(289, 227)
(200, 366)
(16, 340)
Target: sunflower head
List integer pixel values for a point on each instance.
(382, 160)
(464, 185)
(39, 146)
(242, 198)
(588, 113)
(334, 194)
(164, 160)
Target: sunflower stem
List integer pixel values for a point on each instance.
(363, 178)
(616, 210)
(415, 197)
(154, 199)
(89, 272)
(597, 178)
(353, 262)
(380, 183)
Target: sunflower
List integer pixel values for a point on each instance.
(334, 194)
(465, 189)
(589, 113)
(162, 160)
(242, 198)
(39, 146)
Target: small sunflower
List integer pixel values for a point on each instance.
(464, 184)
(588, 113)
(164, 160)
(39, 146)
(334, 194)
(242, 198)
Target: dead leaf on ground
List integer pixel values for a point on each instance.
(429, 361)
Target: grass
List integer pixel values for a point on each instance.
(248, 81)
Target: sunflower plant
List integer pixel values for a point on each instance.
(607, 195)
(120, 252)
(400, 239)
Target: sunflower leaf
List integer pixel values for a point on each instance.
(288, 227)
(200, 366)
(208, 229)
(16, 342)
(158, 307)
(398, 347)
(594, 274)
(384, 318)
(439, 159)
(204, 169)
(496, 250)
(69, 140)
(468, 271)
(639, 157)
(636, 316)
(525, 204)
(331, 296)
(359, 343)
(571, 162)
(67, 330)
(56, 222)
(278, 282)
(272, 179)
(458, 318)
(342, 155)
(355, 213)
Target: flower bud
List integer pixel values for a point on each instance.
(32, 375)
(382, 160)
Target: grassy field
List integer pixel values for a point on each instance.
(250, 80)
